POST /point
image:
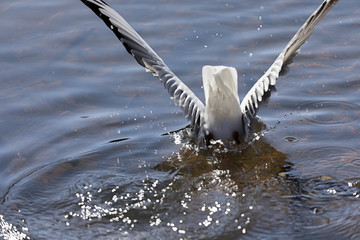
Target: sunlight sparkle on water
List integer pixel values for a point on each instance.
(9, 231)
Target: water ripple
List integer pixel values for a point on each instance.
(339, 162)
(329, 112)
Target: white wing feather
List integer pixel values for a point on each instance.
(193, 108)
(190, 104)
(250, 102)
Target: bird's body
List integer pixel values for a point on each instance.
(223, 116)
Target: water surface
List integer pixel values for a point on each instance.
(85, 149)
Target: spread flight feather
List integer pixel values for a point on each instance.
(223, 116)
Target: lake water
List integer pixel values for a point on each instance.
(85, 149)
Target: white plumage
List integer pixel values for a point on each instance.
(222, 104)
(224, 116)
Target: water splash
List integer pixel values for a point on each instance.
(10, 232)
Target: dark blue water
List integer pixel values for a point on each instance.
(85, 149)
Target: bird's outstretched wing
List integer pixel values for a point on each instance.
(250, 102)
(190, 104)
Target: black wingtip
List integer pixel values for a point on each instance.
(93, 7)
(96, 9)
(88, 3)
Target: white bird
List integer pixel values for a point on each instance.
(222, 116)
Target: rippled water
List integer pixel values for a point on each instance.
(85, 149)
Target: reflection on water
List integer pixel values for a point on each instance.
(188, 194)
(85, 148)
(217, 191)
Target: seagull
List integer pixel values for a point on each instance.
(223, 116)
